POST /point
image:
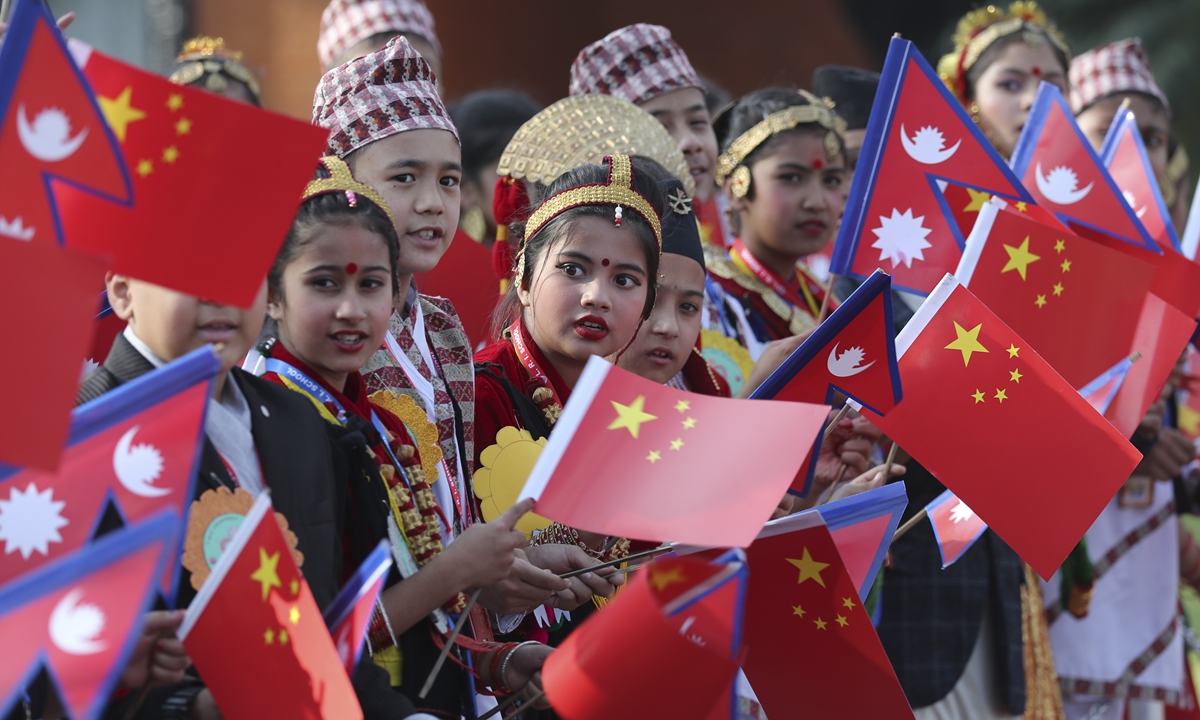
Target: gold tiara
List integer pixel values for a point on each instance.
(788, 118)
(206, 56)
(617, 191)
(341, 180)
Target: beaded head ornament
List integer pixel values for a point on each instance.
(341, 180)
(618, 191)
(731, 164)
(207, 62)
(980, 29)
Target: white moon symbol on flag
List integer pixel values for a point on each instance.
(48, 138)
(926, 145)
(848, 364)
(139, 466)
(1059, 186)
(74, 627)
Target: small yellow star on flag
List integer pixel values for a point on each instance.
(283, 637)
(267, 573)
(294, 615)
(1021, 206)
(183, 127)
(145, 167)
(820, 623)
(683, 406)
(967, 342)
(842, 621)
(631, 416)
(1041, 301)
(848, 603)
(1016, 376)
(1059, 246)
(809, 568)
(269, 636)
(798, 611)
(1001, 395)
(978, 395)
(1066, 266)
(689, 423)
(295, 587)
(174, 101)
(1058, 288)
(170, 155)
(654, 456)
(676, 443)
(1019, 258)
(1013, 350)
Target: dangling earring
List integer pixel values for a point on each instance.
(974, 111)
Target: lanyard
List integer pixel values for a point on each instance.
(310, 386)
(521, 342)
(744, 258)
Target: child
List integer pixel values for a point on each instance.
(351, 29)
(783, 171)
(206, 62)
(331, 292)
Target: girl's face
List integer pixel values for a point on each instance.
(418, 173)
(1153, 124)
(797, 196)
(335, 300)
(1006, 89)
(685, 115)
(667, 338)
(585, 294)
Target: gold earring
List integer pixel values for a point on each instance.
(739, 181)
(974, 111)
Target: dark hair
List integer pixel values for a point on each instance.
(988, 56)
(648, 176)
(486, 122)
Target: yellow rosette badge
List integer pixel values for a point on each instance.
(505, 467)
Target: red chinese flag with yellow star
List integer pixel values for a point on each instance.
(632, 458)
(993, 422)
(215, 184)
(811, 649)
(1073, 300)
(257, 637)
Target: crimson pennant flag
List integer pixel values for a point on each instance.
(80, 617)
(1075, 301)
(666, 646)
(137, 447)
(51, 130)
(1124, 154)
(968, 376)
(956, 527)
(862, 527)
(919, 139)
(1100, 392)
(207, 172)
(811, 648)
(44, 287)
(349, 615)
(672, 460)
(1060, 169)
(257, 637)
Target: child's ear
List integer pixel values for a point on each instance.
(523, 294)
(120, 295)
(274, 305)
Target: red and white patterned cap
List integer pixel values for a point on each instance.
(378, 95)
(1118, 67)
(636, 63)
(345, 23)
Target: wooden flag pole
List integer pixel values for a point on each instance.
(825, 301)
(458, 626)
(912, 523)
(614, 563)
(509, 702)
(4, 10)
(841, 415)
(891, 458)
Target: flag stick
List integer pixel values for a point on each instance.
(912, 523)
(825, 300)
(891, 457)
(458, 626)
(841, 415)
(618, 561)
(4, 10)
(507, 703)
(137, 703)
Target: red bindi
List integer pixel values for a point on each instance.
(351, 268)
(604, 262)
(1036, 71)
(818, 164)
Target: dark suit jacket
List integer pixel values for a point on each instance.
(930, 617)
(297, 466)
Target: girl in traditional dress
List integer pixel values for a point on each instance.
(784, 173)
(330, 298)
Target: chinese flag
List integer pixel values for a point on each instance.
(918, 139)
(1063, 173)
(965, 204)
(80, 616)
(257, 637)
(1176, 278)
(1076, 302)
(50, 127)
(1124, 154)
(349, 615)
(677, 466)
(44, 287)
(862, 527)
(955, 526)
(978, 401)
(666, 646)
(216, 184)
(811, 648)
(137, 445)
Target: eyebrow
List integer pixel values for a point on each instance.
(806, 168)
(420, 165)
(341, 268)
(693, 293)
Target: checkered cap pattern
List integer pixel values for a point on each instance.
(379, 95)
(636, 63)
(345, 23)
(1118, 67)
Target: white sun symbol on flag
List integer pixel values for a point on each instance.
(961, 512)
(30, 521)
(901, 238)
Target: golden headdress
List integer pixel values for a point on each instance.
(209, 59)
(818, 111)
(980, 28)
(341, 180)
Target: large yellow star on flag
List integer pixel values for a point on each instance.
(267, 572)
(661, 579)
(977, 200)
(119, 112)
(1019, 258)
(967, 342)
(631, 416)
(809, 568)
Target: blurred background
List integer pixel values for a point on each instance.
(529, 45)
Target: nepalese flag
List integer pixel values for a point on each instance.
(660, 447)
(956, 527)
(206, 172)
(348, 617)
(671, 641)
(257, 637)
(1191, 231)
(919, 140)
(80, 616)
(862, 527)
(51, 130)
(137, 446)
(1060, 169)
(1100, 392)
(1124, 154)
